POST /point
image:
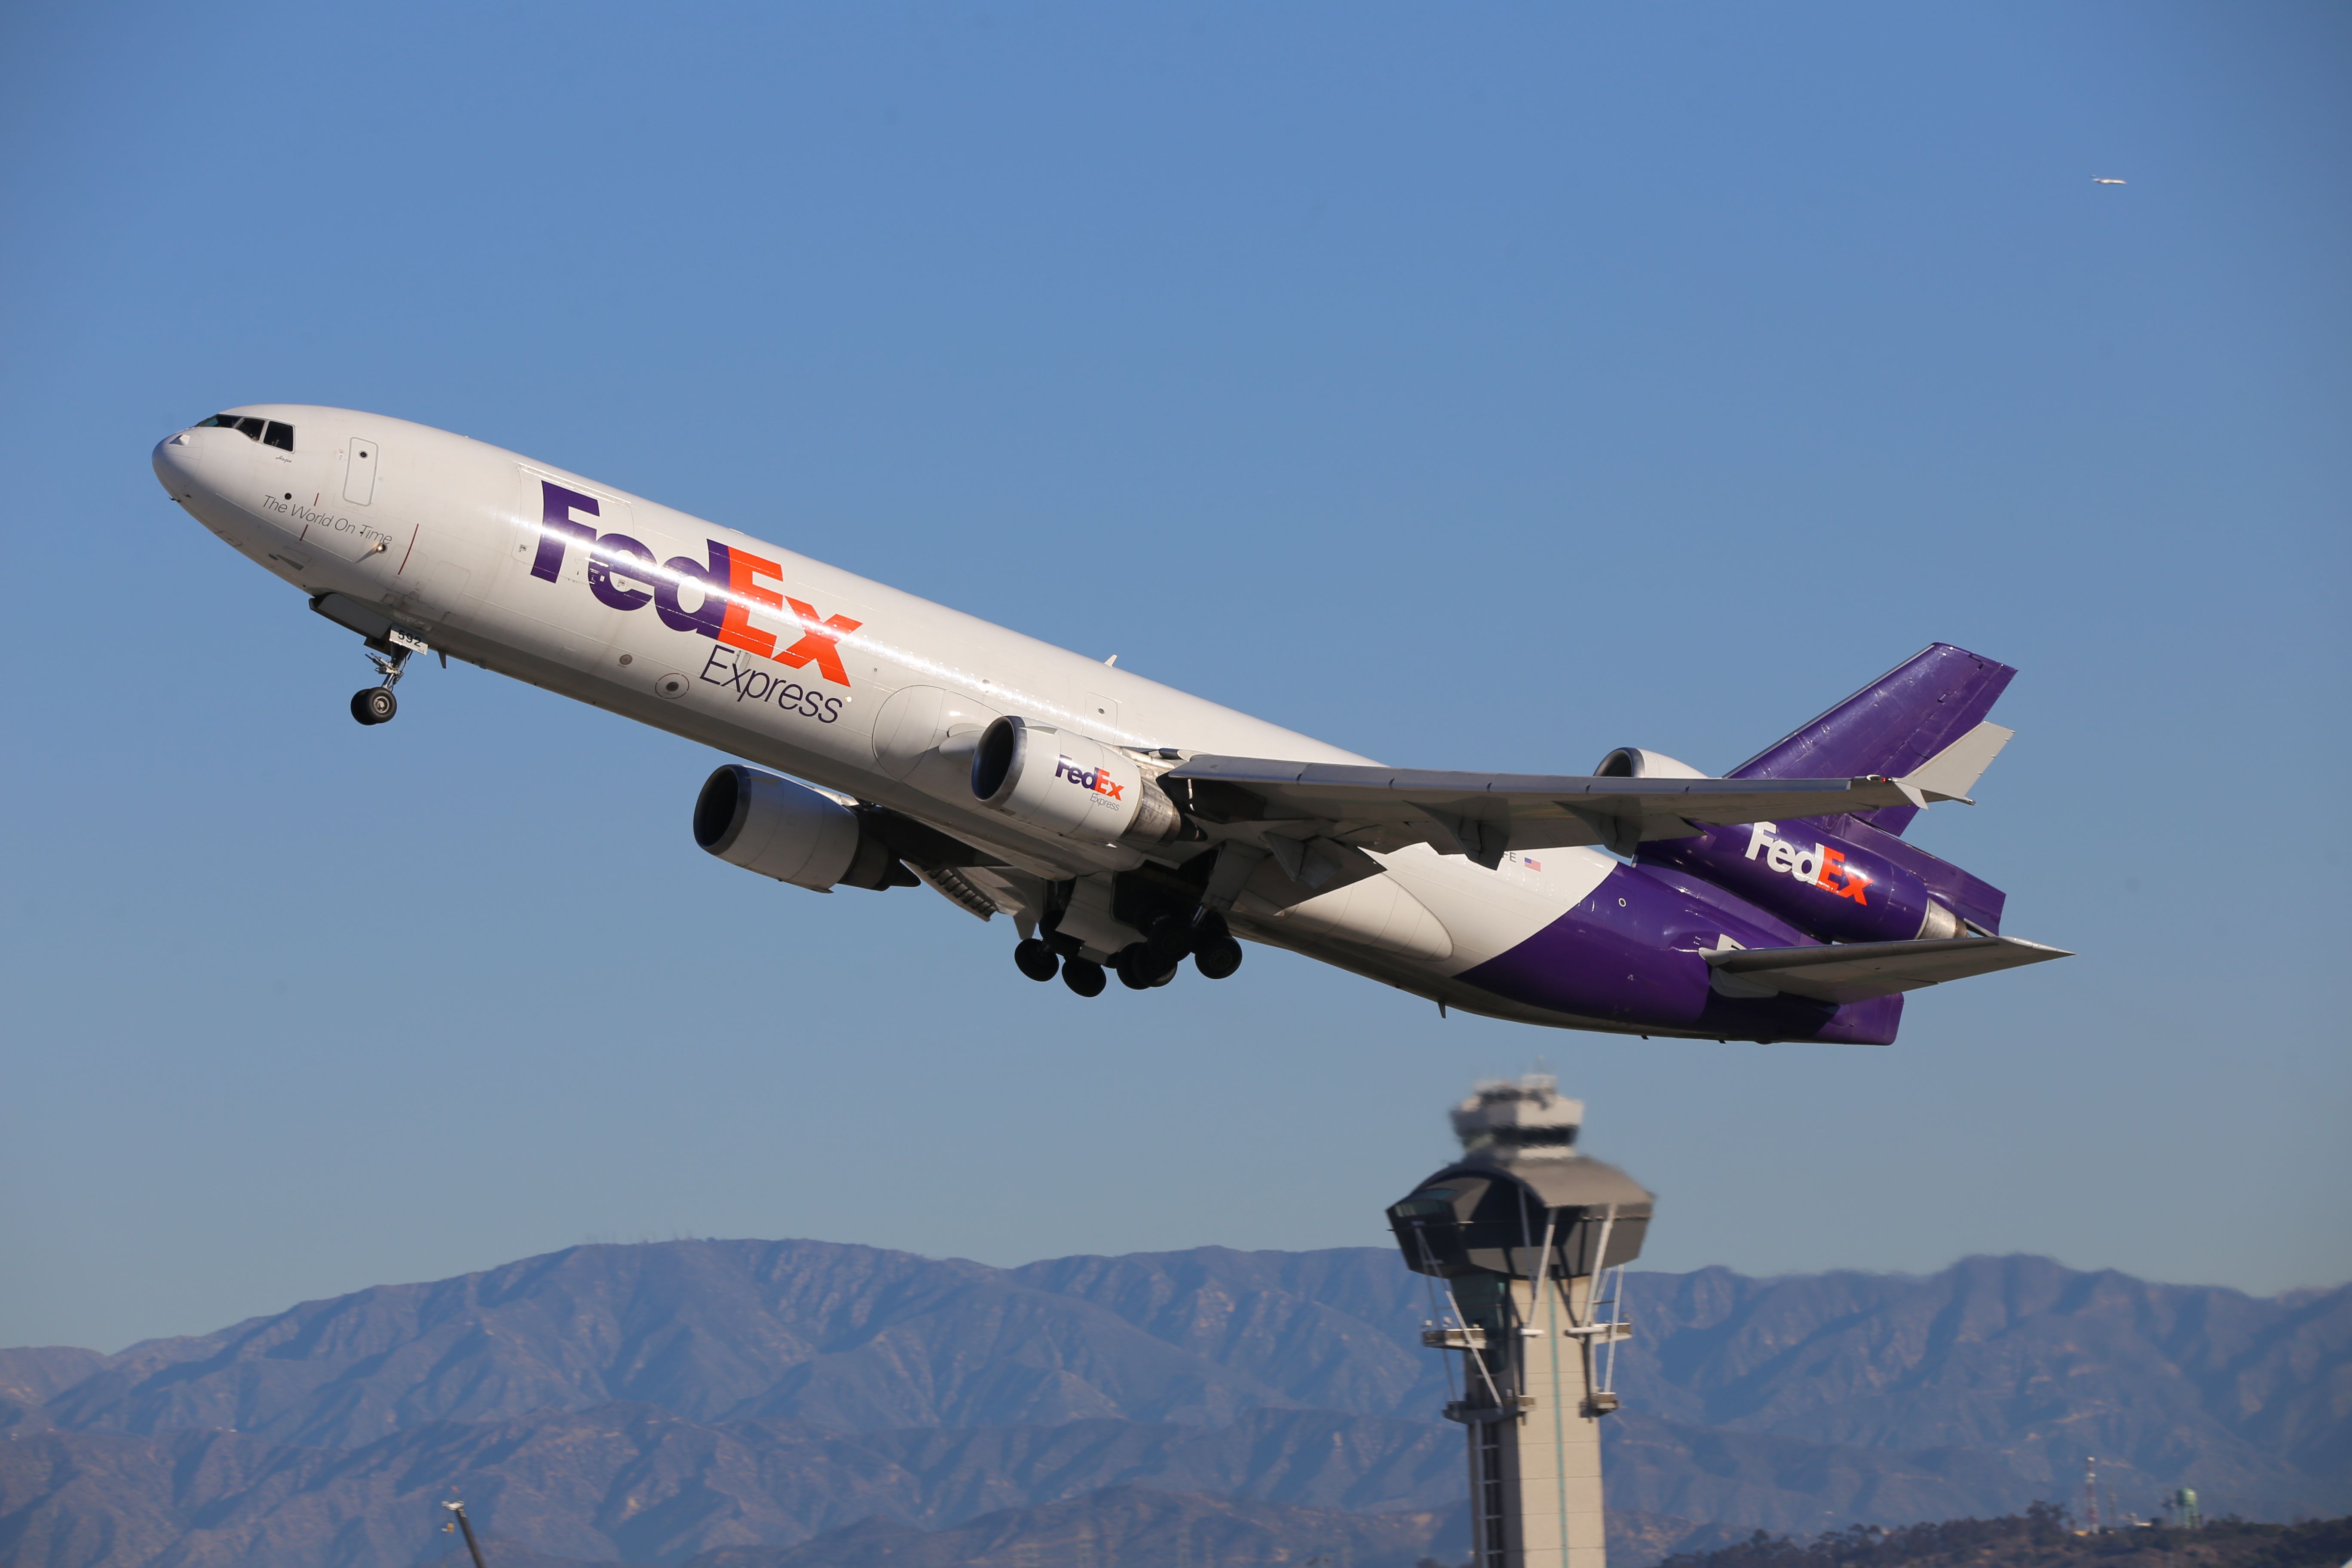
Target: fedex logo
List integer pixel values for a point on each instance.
(1098, 780)
(728, 587)
(1819, 867)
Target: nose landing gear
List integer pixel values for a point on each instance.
(376, 704)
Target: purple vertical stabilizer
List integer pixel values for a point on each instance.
(1890, 726)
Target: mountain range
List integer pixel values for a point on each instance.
(762, 1404)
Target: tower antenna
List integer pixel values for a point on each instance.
(463, 1523)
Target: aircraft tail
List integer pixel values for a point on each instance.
(1920, 721)
(1891, 726)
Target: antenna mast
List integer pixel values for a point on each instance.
(467, 1525)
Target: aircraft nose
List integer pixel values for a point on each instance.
(174, 461)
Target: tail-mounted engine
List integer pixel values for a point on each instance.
(1832, 885)
(1063, 782)
(792, 833)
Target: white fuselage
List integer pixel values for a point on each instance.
(452, 538)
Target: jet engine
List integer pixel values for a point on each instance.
(1858, 886)
(1633, 763)
(1071, 785)
(792, 833)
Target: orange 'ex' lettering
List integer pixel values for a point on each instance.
(820, 642)
(820, 639)
(1834, 860)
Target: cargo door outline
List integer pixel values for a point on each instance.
(361, 456)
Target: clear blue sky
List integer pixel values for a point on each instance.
(1476, 386)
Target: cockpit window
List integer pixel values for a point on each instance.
(270, 432)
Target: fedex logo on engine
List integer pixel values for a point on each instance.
(727, 589)
(1098, 780)
(1819, 867)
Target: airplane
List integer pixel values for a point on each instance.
(1123, 825)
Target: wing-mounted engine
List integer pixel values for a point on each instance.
(1822, 881)
(815, 840)
(1070, 786)
(791, 832)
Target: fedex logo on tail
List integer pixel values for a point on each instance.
(1819, 867)
(1098, 780)
(728, 588)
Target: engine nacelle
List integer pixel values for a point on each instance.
(1633, 763)
(1818, 882)
(1071, 785)
(791, 832)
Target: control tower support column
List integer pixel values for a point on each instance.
(1523, 1232)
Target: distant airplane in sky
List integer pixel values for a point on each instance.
(2104, 180)
(1122, 824)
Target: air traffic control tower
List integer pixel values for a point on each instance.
(1524, 1233)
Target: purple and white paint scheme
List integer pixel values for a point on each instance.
(1122, 825)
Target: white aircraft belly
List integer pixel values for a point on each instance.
(1490, 913)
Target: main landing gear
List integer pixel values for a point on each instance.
(1039, 959)
(1142, 966)
(376, 704)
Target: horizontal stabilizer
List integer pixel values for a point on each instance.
(1952, 773)
(1858, 970)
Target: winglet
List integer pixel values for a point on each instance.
(1952, 773)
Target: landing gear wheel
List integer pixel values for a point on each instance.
(376, 705)
(1084, 976)
(1170, 940)
(1139, 969)
(1218, 958)
(1035, 960)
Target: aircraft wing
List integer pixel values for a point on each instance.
(1482, 814)
(1858, 970)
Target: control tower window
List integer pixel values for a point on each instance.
(1427, 1203)
(1535, 1137)
(280, 435)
